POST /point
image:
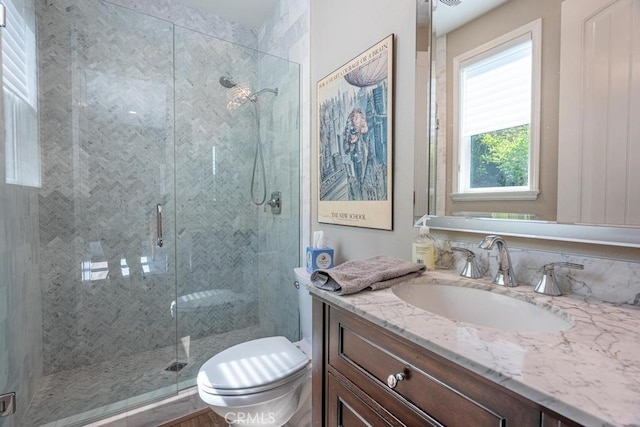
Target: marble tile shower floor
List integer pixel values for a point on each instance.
(71, 397)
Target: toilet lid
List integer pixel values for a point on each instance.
(257, 365)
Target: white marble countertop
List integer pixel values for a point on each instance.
(589, 373)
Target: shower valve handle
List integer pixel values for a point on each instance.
(275, 203)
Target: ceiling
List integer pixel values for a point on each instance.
(236, 10)
(448, 18)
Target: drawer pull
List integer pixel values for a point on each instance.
(392, 380)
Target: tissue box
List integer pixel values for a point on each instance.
(319, 258)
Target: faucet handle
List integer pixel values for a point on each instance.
(548, 285)
(471, 269)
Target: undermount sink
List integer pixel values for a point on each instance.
(481, 307)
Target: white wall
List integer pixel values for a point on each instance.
(340, 30)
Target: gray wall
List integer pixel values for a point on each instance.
(20, 301)
(339, 31)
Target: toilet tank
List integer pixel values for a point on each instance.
(304, 302)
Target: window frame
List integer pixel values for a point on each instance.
(531, 31)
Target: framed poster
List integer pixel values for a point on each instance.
(355, 118)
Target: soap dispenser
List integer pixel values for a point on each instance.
(424, 248)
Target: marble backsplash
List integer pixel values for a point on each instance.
(609, 280)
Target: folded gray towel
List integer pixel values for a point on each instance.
(377, 272)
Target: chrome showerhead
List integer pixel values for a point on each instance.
(238, 94)
(227, 82)
(241, 93)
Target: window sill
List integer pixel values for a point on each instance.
(502, 195)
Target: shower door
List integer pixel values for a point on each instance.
(106, 208)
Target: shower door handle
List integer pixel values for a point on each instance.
(159, 224)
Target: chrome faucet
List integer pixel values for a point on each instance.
(505, 275)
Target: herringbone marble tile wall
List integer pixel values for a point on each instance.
(278, 241)
(105, 170)
(216, 226)
(108, 94)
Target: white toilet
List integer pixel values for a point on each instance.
(263, 382)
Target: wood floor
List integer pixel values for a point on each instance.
(202, 418)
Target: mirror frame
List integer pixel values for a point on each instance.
(578, 233)
(621, 236)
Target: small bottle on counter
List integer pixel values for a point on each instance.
(424, 248)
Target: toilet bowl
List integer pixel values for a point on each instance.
(263, 382)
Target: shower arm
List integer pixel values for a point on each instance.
(254, 96)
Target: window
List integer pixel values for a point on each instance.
(496, 118)
(19, 94)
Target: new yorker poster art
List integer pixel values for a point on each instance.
(355, 141)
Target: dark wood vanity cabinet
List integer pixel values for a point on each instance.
(352, 362)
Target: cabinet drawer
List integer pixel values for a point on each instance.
(347, 403)
(367, 355)
(346, 409)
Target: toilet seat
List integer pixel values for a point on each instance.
(253, 367)
(265, 377)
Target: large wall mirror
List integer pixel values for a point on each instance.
(514, 89)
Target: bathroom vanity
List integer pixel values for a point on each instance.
(379, 360)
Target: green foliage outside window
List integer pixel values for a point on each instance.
(500, 158)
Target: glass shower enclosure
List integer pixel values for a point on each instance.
(153, 255)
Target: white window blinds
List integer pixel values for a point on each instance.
(19, 87)
(497, 88)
